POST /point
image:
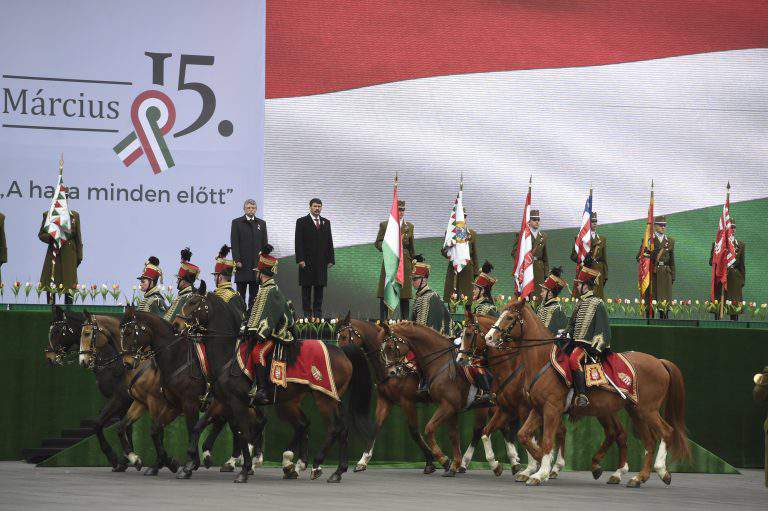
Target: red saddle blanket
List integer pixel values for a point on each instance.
(615, 366)
(202, 359)
(472, 373)
(312, 366)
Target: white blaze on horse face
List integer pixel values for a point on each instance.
(83, 358)
(493, 332)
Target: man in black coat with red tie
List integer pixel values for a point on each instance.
(247, 238)
(314, 254)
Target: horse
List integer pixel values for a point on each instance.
(402, 391)
(661, 382)
(434, 354)
(512, 402)
(211, 319)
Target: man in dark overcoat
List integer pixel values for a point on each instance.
(248, 236)
(314, 255)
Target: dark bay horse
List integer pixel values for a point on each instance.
(209, 316)
(660, 380)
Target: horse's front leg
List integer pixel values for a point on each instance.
(452, 422)
(442, 412)
(621, 442)
(499, 419)
(383, 408)
(408, 406)
(550, 425)
(526, 438)
(481, 419)
(123, 427)
(194, 427)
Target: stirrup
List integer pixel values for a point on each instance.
(581, 400)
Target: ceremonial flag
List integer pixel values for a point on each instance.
(457, 233)
(644, 262)
(724, 253)
(524, 260)
(583, 242)
(392, 252)
(58, 222)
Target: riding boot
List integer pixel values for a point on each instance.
(259, 392)
(484, 397)
(580, 386)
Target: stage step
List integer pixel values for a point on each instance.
(60, 442)
(68, 438)
(39, 454)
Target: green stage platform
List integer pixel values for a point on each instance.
(718, 363)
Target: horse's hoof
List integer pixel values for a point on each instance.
(521, 478)
(241, 478)
(554, 474)
(446, 464)
(667, 478)
(462, 469)
(335, 478)
(291, 474)
(634, 483)
(449, 473)
(151, 471)
(316, 472)
(172, 465)
(360, 468)
(498, 470)
(429, 469)
(207, 462)
(517, 467)
(138, 465)
(120, 467)
(533, 481)
(184, 474)
(613, 480)
(227, 468)
(597, 472)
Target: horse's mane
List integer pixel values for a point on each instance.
(419, 329)
(155, 321)
(77, 316)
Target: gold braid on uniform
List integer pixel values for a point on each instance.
(587, 308)
(485, 309)
(148, 300)
(225, 293)
(545, 313)
(258, 306)
(172, 309)
(422, 308)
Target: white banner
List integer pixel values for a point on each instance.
(158, 108)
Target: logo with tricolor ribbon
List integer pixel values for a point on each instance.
(153, 115)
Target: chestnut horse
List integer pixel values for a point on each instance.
(660, 381)
(506, 364)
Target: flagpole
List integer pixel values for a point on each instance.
(455, 273)
(722, 287)
(653, 266)
(54, 249)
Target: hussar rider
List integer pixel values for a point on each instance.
(483, 304)
(271, 319)
(551, 311)
(185, 281)
(149, 280)
(589, 330)
(222, 274)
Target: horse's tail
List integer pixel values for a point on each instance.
(674, 412)
(357, 406)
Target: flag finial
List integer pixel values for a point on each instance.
(728, 186)
(651, 184)
(61, 164)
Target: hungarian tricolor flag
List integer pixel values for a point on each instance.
(392, 251)
(724, 254)
(524, 260)
(644, 263)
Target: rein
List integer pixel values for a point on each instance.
(94, 352)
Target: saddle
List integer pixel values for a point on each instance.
(614, 366)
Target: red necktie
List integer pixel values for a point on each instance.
(317, 223)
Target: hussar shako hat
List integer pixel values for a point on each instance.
(420, 268)
(660, 220)
(152, 270)
(267, 263)
(585, 273)
(554, 282)
(535, 214)
(224, 266)
(485, 280)
(188, 271)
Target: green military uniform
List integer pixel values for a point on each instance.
(430, 310)
(736, 274)
(589, 322)
(69, 258)
(663, 276)
(406, 233)
(540, 257)
(467, 274)
(233, 299)
(553, 316)
(3, 245)
(486, 307)
(187, 274)
(153, 301)
(599, 263)
(271, 315)
(178, 303)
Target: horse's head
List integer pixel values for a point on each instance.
(346, 333)
(195, 314)
(508, 326)
(63, 333)
(472, 339)
(393, 351)
(93, 338)
(135, 335)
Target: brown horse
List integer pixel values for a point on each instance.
(660, 381)
(506, 364)
(435, 356)
(209, 318)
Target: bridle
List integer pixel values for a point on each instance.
(505, 334)
(352, 333)
(401, 365)
(138, 353)
(95, 330)
(64, 329)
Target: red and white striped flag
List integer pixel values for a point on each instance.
(524, 261)
(583, 242)
(724, 253)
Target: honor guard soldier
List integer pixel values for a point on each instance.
(538, 250)
(663, 266)
(461, 284)
(737, 274)
(185, 280)
(271, 320)
(406, 234)
(598, 261)
(153, 300)
(428, 308)
(481, 293)
(222, 272)
(550, 311)
(589, 330)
